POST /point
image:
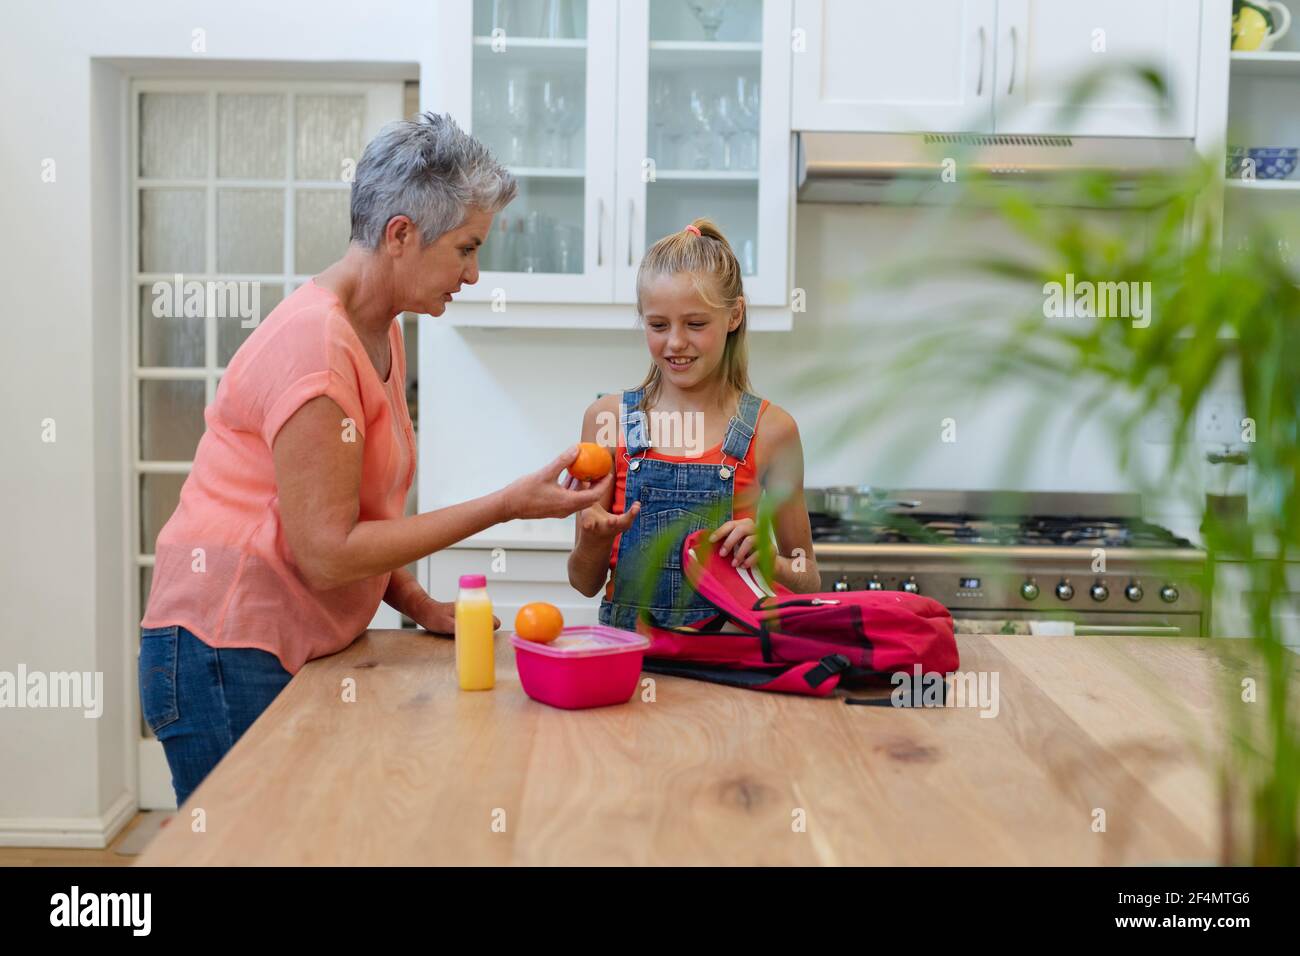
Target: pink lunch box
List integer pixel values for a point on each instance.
(591, 666)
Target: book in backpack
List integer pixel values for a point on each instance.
(796, 643)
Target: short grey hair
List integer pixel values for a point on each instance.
(430, 170)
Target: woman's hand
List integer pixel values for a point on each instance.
(439, 617)
(739, 539)
(542, 495)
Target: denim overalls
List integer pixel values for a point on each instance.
(680, 497)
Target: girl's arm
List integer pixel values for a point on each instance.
(596, 528)
(796, 565)
(778, 444)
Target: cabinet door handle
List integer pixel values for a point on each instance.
(600, 232)
(1015, 49)
(631, 208)
(979, 85)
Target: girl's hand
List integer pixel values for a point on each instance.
(439, 617)
(739, 539)
(599, 523)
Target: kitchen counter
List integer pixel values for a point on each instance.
(417, 772)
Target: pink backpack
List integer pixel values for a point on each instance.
(797, 643)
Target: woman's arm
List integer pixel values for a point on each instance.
(318, 483)
(595, 530)
(407, 596)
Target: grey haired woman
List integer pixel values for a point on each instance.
(290, 528)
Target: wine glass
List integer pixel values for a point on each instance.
(515, 105)
(710, 13)
(700, 111)
(726, 119)
(661, 106)
(485, 114)
(748, 113)
(575, 118)
(554, 105)
(557, 20)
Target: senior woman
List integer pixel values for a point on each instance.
(290, 527)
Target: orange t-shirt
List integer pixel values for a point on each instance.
(745, 492)
(223, 567)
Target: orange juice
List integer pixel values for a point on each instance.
(475, 653)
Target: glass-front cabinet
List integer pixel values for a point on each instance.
(623, 120)
(706, 132)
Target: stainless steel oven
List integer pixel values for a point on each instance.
(1013, 562)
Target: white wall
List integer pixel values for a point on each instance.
(63, 579)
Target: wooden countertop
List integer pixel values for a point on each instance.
(417, 772)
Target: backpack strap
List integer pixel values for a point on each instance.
(740, 431)
(814, 679)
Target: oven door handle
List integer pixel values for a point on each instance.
(1127, 630)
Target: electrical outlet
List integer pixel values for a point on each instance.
(1218, 420)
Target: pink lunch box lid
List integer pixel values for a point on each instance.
(594, 640)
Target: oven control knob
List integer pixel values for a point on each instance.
(842, 584)
(1065, 590)
(1029, 590)
(911, 587)
(1133, 592)
(1099, 592)
(875, 584)
(1169, 594)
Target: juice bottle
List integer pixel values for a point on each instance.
(475, 653)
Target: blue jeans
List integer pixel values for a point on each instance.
(198, 700)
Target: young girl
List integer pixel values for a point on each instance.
(691, 301)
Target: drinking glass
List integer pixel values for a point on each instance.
(553, 107)
(747, 263)
(710, 13)
(486, 119)
(700, 113)
(571, 120)
(726, 120)
(748, 112)
(557, 20)
(515, 106)
(568, 248)
(662, 101)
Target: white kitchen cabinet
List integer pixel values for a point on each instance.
(1231, 611)
(885, 66)
(517, 574)
(545, 104)
(622, 125)
(1003, 66)
(1044, 47)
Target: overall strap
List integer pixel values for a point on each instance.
(740, 432)
(632, 422)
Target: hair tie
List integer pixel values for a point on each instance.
(692, 228)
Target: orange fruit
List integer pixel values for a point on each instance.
(593, 462)
(539, 621)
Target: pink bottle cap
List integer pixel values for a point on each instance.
(473, 580)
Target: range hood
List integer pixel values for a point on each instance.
(893, 167)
